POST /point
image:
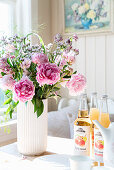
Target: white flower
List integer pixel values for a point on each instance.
(74, 6)
(81, 10)
(91, 14)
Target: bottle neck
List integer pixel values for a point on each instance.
(94, 103)
(83, 108)
(103, 106)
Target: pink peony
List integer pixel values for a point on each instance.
(48, 73)
(26, 63)
(4, 66)
(69, 57)
(76, 84)
(7, 82)
(24, 90)
(39, 58)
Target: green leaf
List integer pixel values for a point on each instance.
(75, 72)
(26, 103)
(7, 92)
(9, 62)
(10, 113)
(40, 108)
(7, 101)
(54, 89)
(67, 77)
(3, 74)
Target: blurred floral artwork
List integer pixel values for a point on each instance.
(88, 16)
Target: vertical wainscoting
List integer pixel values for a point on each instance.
(96, 61)
(110, 65)
(96, 58)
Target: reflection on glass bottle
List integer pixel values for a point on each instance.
(82, 129)
(105, 122)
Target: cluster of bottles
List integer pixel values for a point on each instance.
(88, 138)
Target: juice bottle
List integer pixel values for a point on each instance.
(104, 120)
(94, 115)
(82, 129)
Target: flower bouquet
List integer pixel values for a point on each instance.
(35, 72)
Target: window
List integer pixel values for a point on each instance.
(7, 27)
(7, 17)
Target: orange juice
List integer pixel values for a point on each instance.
(104, 120)
(94, 115)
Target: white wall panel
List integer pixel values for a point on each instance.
(110, 65)
(80, 60)
(90, 64)
(100, 82)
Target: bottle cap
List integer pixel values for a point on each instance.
(104, 96)
(94, 94)
(84, 95)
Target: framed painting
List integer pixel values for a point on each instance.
(88, 16)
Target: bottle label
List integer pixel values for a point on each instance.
(82, 140)
(98, 145)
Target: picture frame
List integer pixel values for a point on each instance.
(103, 30)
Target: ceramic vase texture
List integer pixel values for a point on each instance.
(31, 131)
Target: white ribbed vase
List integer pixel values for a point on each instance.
(31, 131)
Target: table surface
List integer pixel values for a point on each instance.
(56, 145)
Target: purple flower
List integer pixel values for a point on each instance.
(26, 63)
(48, 73)
(39, 58)
(62, 63)
(75, 37)
(24, 90)
(58, 37)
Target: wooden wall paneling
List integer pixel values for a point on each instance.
(90, 64)
(110, 65)
(100, 65)
(80, 59)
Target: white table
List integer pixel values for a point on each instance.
(56, 145)
(57, 155)
(61, 146)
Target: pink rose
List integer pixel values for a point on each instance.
(39, 58)
(69, 57)
(7, 82)
(76, 84)
(48, 73)
(24, 90)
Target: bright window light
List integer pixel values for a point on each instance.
(5, 19)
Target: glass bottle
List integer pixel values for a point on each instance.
(104, 120)
(94, 115)
(82, 129)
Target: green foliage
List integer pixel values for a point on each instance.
(38, 106)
